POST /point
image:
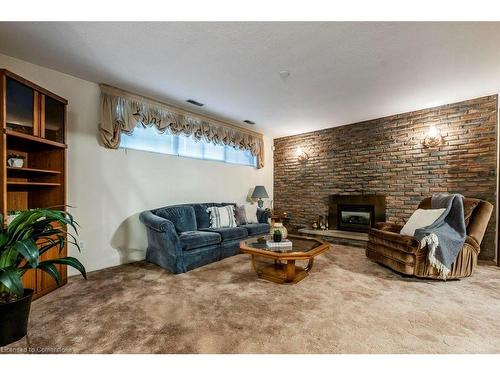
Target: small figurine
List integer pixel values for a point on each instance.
(315, 225)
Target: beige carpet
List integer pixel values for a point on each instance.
(348, 304)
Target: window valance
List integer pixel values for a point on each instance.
(122, 111)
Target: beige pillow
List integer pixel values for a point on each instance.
(419, 219)
(251, 213)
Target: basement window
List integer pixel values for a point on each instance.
(149, 139)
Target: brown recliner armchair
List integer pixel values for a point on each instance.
(402, 253)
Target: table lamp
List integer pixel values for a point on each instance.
(260, 192)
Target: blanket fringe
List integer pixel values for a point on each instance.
(432, 242)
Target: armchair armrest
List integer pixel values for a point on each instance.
(388, 227)
(162, 235)
(394, 237)
(473, 243)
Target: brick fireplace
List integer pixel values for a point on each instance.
(355, 213)
(385, 156)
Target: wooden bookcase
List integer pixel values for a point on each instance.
(33, 127)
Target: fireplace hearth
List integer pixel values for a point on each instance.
(356, 213)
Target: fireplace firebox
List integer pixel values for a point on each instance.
(356, 213)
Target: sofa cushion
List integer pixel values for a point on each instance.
(195, 239)
(255, 229)
(202, 216)
(262, 215)
(182, 217)
(229, 234)
(240, 215)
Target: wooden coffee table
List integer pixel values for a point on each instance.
(283, 269)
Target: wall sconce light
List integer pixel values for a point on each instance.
(433, 138)
(302, 156)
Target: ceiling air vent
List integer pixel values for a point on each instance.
(194, 102)
(249, 122)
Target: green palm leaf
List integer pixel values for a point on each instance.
(68, 261)
(11, 279)
(49, 268)
(29, 250)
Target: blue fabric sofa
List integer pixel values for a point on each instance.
(179, 237)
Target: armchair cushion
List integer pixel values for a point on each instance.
(195, 239)
(420, 219)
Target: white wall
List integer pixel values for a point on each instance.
(109, 188)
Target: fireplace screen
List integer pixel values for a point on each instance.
(355, 217)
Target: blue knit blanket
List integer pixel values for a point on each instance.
(446, 236)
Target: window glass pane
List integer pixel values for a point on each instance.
(149, 139)
(190, 148)
(213, 152)
(237, 156)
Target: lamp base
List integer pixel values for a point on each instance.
(260, 203)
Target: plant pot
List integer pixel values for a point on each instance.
(14, 318)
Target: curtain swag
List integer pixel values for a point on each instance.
(122, 111)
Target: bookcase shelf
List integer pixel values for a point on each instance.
(29, 171)
(33, 128)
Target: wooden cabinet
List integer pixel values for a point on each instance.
(33, 129)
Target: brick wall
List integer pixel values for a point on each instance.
(386, 156)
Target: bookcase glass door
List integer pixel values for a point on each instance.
(54, 120)
(20, 107)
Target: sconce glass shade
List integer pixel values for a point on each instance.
(433, 138)
(301, 155)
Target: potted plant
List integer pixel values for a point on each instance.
(277, 235)
(22, 243)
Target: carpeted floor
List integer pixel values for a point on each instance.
(348, 304)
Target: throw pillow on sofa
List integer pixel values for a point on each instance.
(419, 219)
(222, 217)
(251, 214)
(240, 215)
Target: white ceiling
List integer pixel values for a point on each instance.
(339, 72)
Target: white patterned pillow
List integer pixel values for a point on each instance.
(222, 217)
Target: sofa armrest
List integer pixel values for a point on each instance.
(262, 215)
(155, 222)
(388, 227)
(161, 233)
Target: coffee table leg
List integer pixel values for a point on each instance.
(309, 265)
(290, 271)
(254, 265)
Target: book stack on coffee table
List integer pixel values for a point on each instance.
(285, 244)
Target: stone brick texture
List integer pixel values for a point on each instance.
(386, 156)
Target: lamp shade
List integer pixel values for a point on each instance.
(260, 192)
